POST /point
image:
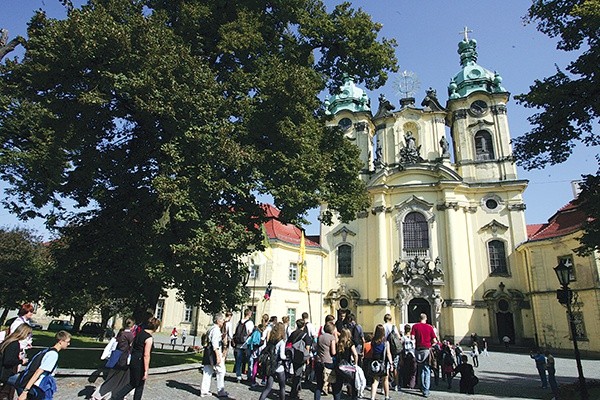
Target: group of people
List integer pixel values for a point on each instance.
(175, 335)
(32, 379)
(336, 355)
(544, 363)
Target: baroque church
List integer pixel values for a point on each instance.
(446, 211)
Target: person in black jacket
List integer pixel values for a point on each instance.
(297, 359)
(11, 357)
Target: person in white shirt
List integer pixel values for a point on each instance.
(25, 314)
(214, 338)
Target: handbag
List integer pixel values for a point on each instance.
(208, 357)
(112, 361)
(346, 371)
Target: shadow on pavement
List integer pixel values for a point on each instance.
(86, 392)
(183, 386)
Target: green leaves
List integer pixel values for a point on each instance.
(568, 101)
(163, 120)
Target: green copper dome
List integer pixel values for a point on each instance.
(472, 77)
(350, 97)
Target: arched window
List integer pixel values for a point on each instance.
(415, 235)
(484, 150)
(497, 255)
(344, 259)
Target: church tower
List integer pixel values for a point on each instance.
(478, 120)
(444, 222)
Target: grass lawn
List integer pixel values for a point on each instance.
(84, 353)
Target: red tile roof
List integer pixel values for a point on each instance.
(567, 220)
(285, 232)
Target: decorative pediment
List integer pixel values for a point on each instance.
(494, 227)
(344, 232)
(414, 204)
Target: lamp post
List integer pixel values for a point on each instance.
(245, 278)
(565, 296)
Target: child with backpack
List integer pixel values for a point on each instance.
(36, 381)
(271, 361)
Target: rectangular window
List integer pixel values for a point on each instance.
(160, 309)
(254, 271)
(568, 262)
(291, 312)
(578, 326)
(344, 258)
(187, 313)
(497, 255)
(293, 272)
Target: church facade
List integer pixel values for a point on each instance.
(446, 211)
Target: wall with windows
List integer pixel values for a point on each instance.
(540, 257)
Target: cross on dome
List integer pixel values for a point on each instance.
(466, 32)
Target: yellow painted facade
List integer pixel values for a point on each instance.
(551, 322)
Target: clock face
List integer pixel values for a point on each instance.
(478, 107)
(345, 123)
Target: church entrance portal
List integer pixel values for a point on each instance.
(506, 326)
(416, 307)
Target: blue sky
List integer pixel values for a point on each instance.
(428, 32)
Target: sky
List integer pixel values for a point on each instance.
(428, 32)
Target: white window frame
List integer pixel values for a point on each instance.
(187, 313)
(160, 309)
(293, 272)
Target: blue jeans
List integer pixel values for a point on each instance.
(542, 372)
(424, 373)
(240, 360)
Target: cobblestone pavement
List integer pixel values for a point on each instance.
(502, 376)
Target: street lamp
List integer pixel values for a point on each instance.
(565, 296)
(245, 278)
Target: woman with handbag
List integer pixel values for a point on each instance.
(118, 377)
(346, 358)
(382, 362)
(12, 357)
(276, 339)
(139, 365)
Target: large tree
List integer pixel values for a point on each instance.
(163, 121)
(569, 100)
(23, 260)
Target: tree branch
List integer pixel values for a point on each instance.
(10, 46)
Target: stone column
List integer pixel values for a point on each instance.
(382, 245)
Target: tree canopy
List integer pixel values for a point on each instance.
(569, 100)
(23, 260)
(163, 121)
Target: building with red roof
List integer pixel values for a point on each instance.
(548, 245)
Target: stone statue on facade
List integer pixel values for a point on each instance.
(378, 162)
(385, 107)
(444, 146)
(410, 153)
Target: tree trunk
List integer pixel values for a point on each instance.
(3, 316)
(77, 320)
(105, 313)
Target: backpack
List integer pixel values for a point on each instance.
(268, 360)
(254, 339)
(241, 333)
(357, 335)
(395, 342)
(299, 352)
(47, 385)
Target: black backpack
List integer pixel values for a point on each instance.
(241, 333)
(268, 360)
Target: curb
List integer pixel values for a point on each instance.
(153, 371)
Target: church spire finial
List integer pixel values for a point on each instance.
(465, 32)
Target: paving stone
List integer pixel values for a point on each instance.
(502, 376)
